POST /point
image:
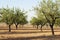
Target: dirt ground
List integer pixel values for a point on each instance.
(28, 33)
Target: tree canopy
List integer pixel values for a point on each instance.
(50, 10)
(12, 16)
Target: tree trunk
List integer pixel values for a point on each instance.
(51, 26)
(16, 27)
(37, 26)
(41, 28)
(9, 28)
(22, 26)
(33, 26)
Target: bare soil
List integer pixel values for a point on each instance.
(28, 33)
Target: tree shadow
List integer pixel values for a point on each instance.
(56, 37)
(26, 32)
(27, 29)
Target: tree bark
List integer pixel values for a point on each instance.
(37, 26)
(51, 26)
(9, 28)
(41, 28)
(22, 25)
(16, 27)
(33, 26)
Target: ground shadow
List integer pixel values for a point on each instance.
(28, 32)
(28, 29)
(56, 37)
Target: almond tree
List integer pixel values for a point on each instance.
(34, 22)
(19, 18)
(50, 10)
(38, 21)
(7, 16)
(23, 21)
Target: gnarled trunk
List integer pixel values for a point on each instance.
(16, 27)
(33, 26)
(37, 26)
(9, 28)
(22, 25)
(41, 28)
(51, 26)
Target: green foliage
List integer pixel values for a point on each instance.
(33, 21)
(50, 10)
(7, 15)
(20, 17)
(38, 21)
(57, 23)
(10, 16)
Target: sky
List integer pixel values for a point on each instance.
(22, 4)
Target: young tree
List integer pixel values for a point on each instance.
(19, 18)
(7, 16)
(23, 21)
(34, 22)
(42, 22)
